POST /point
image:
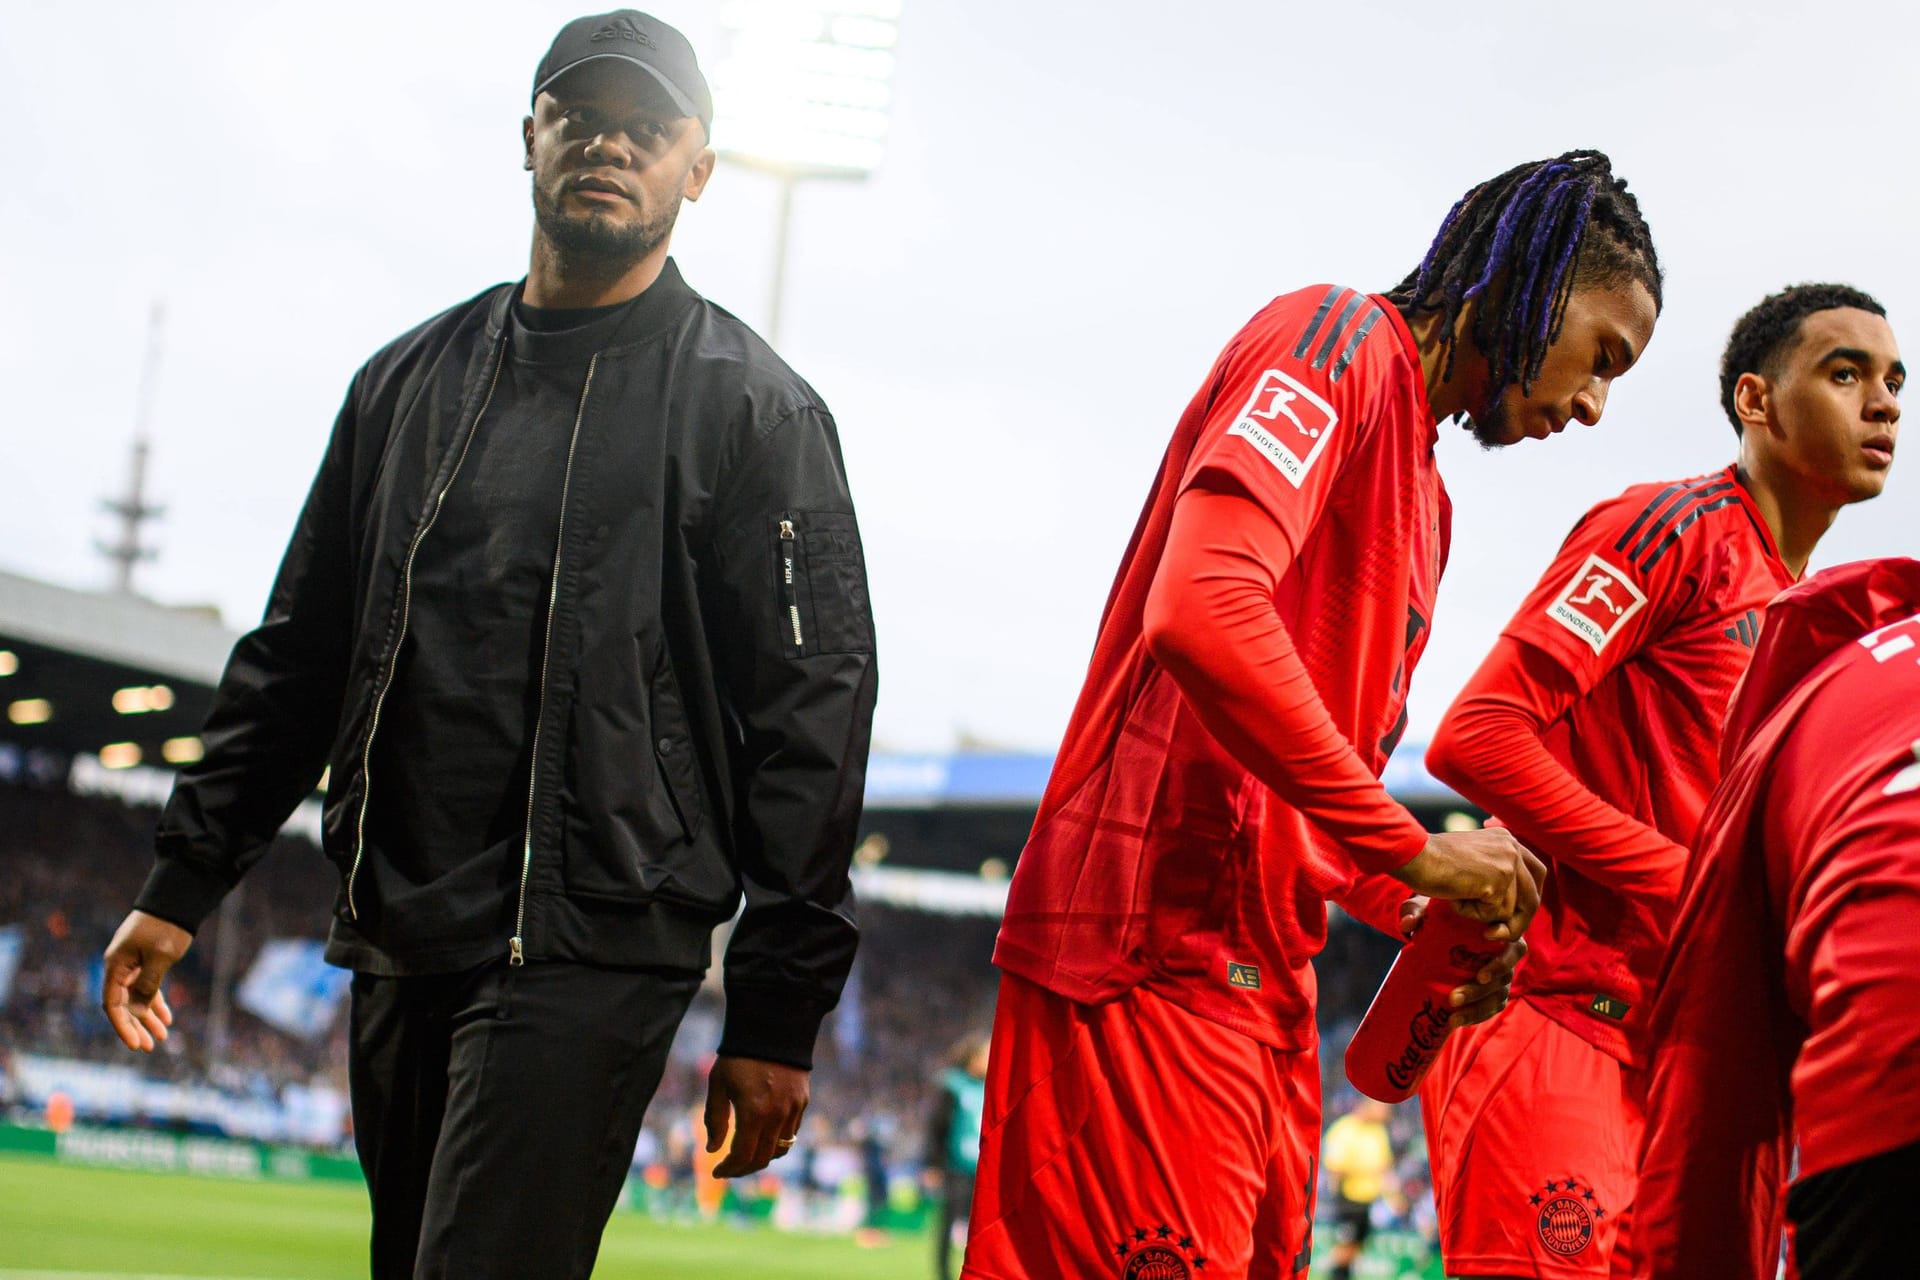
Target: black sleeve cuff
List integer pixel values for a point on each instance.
(180, 893)
(772, 1026)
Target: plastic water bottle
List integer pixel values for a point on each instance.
(1408, 1020)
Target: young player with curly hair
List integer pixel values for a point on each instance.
(1593, 731)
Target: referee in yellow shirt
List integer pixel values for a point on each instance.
(1359, 1157)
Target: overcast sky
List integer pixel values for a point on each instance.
(1080, 203)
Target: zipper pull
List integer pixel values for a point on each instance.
(515, 956)
(787, 545)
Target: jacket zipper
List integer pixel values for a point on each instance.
(516, 945)
(788, 595)
(393, 662)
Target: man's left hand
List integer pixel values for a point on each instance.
(764, 1101)
(1488, 994)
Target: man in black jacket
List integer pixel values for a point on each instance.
(576, 616)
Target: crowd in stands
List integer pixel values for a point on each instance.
(70, 865)
(69, 868)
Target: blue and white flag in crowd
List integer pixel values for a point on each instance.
(849, 1017)
(13, 940)
(293, 987)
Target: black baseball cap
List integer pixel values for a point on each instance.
(636, 38)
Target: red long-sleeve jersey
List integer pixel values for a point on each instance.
(1593, 729)
(1786, 1004)
(1219, 777)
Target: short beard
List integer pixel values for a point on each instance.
(1489, 425)
(599, 245)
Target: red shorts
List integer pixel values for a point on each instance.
(1137, 1141)
(1534, 1138)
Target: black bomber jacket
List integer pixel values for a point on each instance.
(708, 688)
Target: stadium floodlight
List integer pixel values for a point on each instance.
(9, 662)
(30, 711)
(120, 755)
(140, 699)
(804, 90)
(182, 750)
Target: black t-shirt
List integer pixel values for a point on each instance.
(450, 773)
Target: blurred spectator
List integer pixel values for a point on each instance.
(953, 1144)
(872, 1131)
(1358, 1158)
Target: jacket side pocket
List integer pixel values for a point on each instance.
(673, 748)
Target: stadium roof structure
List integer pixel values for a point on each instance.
(189, 644)
(87, 664)
(83, 671)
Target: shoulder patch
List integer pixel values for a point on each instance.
(1287, 422)
(1597, 602)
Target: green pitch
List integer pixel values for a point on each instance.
(69, 1222)
(110, 1225)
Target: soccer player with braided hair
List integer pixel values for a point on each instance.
(1153, 1100)
(1593, 731)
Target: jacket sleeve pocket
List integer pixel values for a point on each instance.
(821, 584)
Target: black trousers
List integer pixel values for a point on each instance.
(496, 1111)
(1856, 1222)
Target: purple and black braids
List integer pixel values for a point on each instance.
(1516, 244)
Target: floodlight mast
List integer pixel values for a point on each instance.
(802, 93)
(788, 177)
(133, 510)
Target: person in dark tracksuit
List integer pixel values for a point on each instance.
(953, 1143)
(576, 617)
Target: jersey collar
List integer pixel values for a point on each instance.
(1760, 526)
(1412, 352)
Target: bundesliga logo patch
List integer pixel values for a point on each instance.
(1287, 423)
(1597, 603)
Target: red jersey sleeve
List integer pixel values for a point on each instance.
(1598, 603)
(1279, 426)
(1591, 611)
(1375, 900)
(1288, 408)
(1852, 971)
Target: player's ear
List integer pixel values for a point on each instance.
(699, 173)
(1752, 402)
(526, 139)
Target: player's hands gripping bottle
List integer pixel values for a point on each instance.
(1410, 1015)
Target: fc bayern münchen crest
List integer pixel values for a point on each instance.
(1159, 1253)
(1568, 1212)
